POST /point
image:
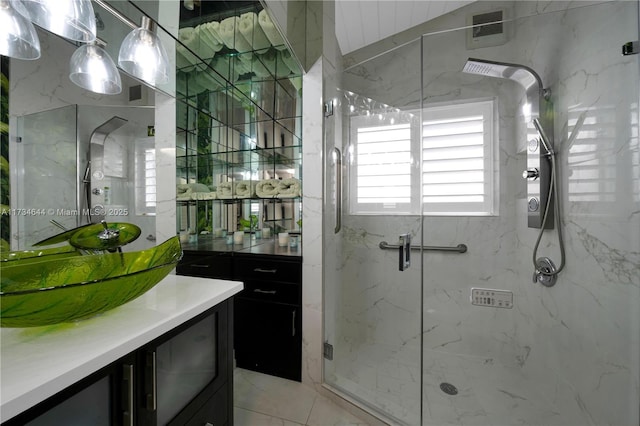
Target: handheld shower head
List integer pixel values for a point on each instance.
(543, 137)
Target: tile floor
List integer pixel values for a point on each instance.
(263, 400)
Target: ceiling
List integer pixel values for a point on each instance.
(363, 22)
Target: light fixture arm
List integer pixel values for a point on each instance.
(115, 12)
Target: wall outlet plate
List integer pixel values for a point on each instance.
(492, 298)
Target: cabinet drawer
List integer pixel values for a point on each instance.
(215, 411)
(205, 265)
(269, 291)
(245, 268)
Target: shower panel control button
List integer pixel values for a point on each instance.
(534, 204)
(533, 145)
(492, 298)
(531, 174)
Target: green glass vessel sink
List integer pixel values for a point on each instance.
(59, 285)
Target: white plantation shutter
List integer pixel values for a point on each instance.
(145, 176)
(457, 159)
(455, 175)
(383, 176)
(384, 164)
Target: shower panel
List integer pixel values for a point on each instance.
(99, 193)
(537, 109)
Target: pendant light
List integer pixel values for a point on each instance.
(92, 68)
(143, 55)
(18, 37)
(71, 19)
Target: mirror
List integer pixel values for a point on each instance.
(55, 169)
(52, 124)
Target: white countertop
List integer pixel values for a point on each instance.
(38, 362)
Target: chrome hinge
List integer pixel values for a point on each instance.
(631, 48)
(328, 351)
(328, 109)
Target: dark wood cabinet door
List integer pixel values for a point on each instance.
(268, 338)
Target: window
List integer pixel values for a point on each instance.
(383, 175)
(457, 159)
(455, 175)
(145, 167)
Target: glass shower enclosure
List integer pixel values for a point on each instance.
(470, 336)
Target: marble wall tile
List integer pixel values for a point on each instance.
(312, 225)
(165, 125)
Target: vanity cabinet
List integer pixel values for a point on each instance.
(268, 320)
(183, 377)
(267, 312)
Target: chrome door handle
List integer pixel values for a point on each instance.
(128, 417)
(293, 323)
(150, 381)
(338, 165)
(404, 252)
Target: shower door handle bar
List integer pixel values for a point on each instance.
(404, 252)
(460, 248)
(338, 166)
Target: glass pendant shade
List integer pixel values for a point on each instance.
(143, 55)
(92, 68)
(71, 19)
(18, 37)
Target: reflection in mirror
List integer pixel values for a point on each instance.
(239, 121)
(250, 99)
(51, 124)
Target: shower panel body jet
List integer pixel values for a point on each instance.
(538, 107)
(96, 166)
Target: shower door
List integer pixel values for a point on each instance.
(44, 182)
(513, 351)
(468, 337)
(372, 309)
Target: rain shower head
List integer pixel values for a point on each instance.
(521, 74)
(100, 133)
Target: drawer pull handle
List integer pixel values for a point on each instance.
(293, 323)
(257, 290)
(150, 381)
(268, 271)
(200, 265)
(128, 415)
